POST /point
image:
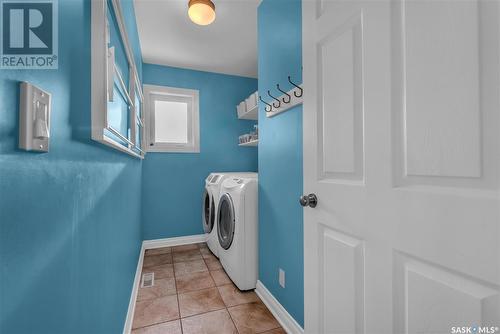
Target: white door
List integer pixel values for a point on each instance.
(401, 147)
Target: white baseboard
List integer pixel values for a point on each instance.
(177, 241)
(151, 244)
(133, 296)
(284, 318)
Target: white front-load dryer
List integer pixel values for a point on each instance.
(208, 209)
(211, 197)
(237, 230)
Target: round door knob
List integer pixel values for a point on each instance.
(309, 200)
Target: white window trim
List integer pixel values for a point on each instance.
(193, 145)
(100, 75)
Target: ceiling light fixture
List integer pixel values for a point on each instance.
(201, 12)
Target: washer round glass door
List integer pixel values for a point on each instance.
(208, 215)
(225, 221)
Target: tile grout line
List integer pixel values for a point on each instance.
(232, 320)
(199, 289)
(218, 291)
(202, 313)
(177, 291)
(225, 306)
(180, 316)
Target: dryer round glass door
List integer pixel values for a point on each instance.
(208, 212)
(225, 221)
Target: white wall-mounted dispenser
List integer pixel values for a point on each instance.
(34, 118)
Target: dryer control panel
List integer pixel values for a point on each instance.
(215, 179)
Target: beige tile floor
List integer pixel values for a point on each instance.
(193, 295)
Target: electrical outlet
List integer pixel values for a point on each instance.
(282, 277)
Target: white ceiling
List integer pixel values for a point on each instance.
(229, 45)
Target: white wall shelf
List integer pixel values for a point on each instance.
(249, 108)
(250, 143)
(252, 114)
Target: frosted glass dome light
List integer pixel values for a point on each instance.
(201, 12)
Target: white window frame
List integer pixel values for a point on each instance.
(154, 93)
(136, 119)
(103, 72)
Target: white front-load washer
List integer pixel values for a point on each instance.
(237, 230)
(211, 196)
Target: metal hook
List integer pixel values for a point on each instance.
(279, 102)
(295, 93)
(267, 104)
(289, 97)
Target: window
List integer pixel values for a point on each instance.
(172, 119)
(117, 117)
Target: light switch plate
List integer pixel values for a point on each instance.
(34, 118)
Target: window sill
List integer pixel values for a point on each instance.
(113, 144)
(171, 149)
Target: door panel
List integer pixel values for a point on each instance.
(443, 93)
(441, 111)
(340, 98)
(342, 259)
(427, 291)
(401, 146)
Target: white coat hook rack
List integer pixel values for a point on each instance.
(277, 104)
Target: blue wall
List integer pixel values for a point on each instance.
(70, 228)
(280, 156)
(173, 182)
